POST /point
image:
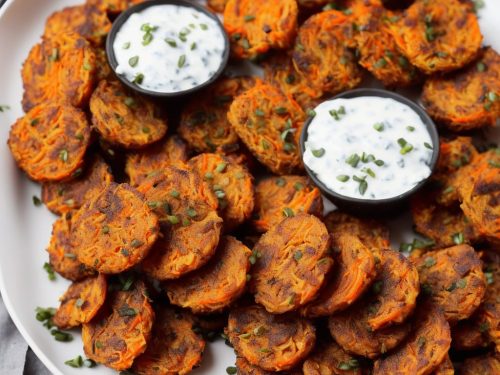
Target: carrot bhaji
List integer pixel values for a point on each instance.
(279, 197)
(50, 141)
(269, 123)
(114, 230)
(62, 256)
(174, 347)
(141, 164)
(60, 68)
(190, 226)
(272, 342)
(256, 26)
(353, 271)
(124, 118)
(204, 124)
(438, 36)
(218, 284)
(81, 302)
(454, 279)
(291, 261)
(64, 196)
(329, 358)
(232, 185)
(121, 330)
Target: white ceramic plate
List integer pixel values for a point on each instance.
(25, 229)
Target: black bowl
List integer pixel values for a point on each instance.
(117, 24)
(375, 206)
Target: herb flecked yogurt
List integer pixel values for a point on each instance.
(169, 48)
(368, 147)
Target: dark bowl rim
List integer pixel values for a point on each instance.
(429, 123)
(117, 24)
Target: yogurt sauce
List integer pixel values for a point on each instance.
(368, 147)
(169, 48)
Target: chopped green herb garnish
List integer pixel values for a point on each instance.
(191, 212)
(126, 310)
(378, 126)
(63, 155)
(182, 61)
(171, 42)
(369, 172)
(203, 26)
(343, 178)
(193, 46)
(297, 255)
(481, 67)
(50, 271)
(36, 201)
(248, 17)
(172, 219)
(318, 153)
(61, 336)
(380, 63)
(136, 243)
(410, 128)
(75, 362)
(353, 160)
(133, 61)
(231, 370)
(288, 212)
(363, 185)
(126, 45)
(298, 186)
(427, 145)
(379, 163)
(429, 262)
(259, 112)
(221, 167)
(351, 364)
(280, 181)
(458, 238)
(281, 110)
(139, 78)
(311, 112)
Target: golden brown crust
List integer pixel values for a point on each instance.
(480, 194)
(121, 330)
(124, 118)
(81, 302)
(246, 368)
(174, 348)
(64, 196)
(374, 234)
(60, 68)
(256, 26)
(445, 368)
(276, 197)
(462, 101)
(323, 55)
(140, 164)
(454, 279)
(232, 185)
(291, 263)
(61, 253)
(190, 226)
(485, 364)
(89, 21)
(114, 230)
(330, 359)
(50, 141)
(353, 272)
(269, 123)
(438, 36)
(204, 124)
(424, 350)
(218, 284)
(217, 5)
(272, 342)
(469, 334)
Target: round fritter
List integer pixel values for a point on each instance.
(272, 342)
(445, 367)
(467, 99)
(351, 331)
(378, 51)
(64, 196)
(269, 123)
(246, 368)
(62, 256)
(124, 118)
(323, 53)
(485, 364)
(424, 350)
(153, 159)
(353, 272)
(438, 36)
(372, 233)
(114, 230)
(444, 225)
(279, 197)
(88, 20)
(232, 185)
(190, 226)
(291, 263)
(174, 347)
(330, 359)
(50, 141)
(81, 302)
(61, 68)
(218, 284)
(217, 5)
(469, 335)
(394, 291)
(204, 124)
(256, 26)
(454, 279)
(121, 330)
(480, 195)
(279, 71)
